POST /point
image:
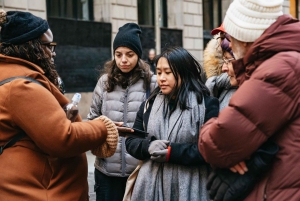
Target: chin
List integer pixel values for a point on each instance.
(165, 92)
(234, 83)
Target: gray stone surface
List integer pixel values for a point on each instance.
(91, 160)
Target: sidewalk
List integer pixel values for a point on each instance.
(91, 160)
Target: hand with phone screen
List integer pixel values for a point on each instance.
(136, 132)
(126, 131)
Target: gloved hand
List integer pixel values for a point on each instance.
(157, 145)
(225, 185)
(109, 147)
(159, 156)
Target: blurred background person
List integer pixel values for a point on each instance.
(151, 61)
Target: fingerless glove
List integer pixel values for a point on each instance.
(108, 148)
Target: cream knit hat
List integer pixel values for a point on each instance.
(246, 20)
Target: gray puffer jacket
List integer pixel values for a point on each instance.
(120, 105)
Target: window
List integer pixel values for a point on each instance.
(72, 9)
(212, 17)
(294, 8)
(146, 12)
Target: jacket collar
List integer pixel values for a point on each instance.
(8, 59)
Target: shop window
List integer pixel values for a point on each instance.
(294, 8)
(72, 9)
(146, 12)
(212, 17)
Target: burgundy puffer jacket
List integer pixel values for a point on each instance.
(266, 105)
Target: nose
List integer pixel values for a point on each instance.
(225, 68)
(162, 77)
(53, 54)
(124, 59)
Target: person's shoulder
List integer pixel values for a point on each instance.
(153, 83)
(210, 101)
(103, 77)
(153, 78)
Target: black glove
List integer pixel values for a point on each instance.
(224, 185)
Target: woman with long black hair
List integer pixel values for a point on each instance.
(173, 168)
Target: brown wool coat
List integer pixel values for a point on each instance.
(266, 106)
(50, 162)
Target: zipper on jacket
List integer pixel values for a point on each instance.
(122, 138)
(264, 196)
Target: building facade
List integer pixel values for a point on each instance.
(85, 29)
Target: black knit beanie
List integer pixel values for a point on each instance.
(128, 36)
(20, 27)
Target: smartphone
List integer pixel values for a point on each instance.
(137, 133)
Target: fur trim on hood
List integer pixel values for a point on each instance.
(212, 61)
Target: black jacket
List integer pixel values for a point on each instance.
(181, 153)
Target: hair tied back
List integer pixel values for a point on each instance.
(2, 17)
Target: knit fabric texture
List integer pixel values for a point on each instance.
(128, 36)
(20, 27)
(108, 148)
(246, 20)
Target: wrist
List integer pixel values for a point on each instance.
(168, 154)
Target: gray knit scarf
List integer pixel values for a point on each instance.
(167, 181)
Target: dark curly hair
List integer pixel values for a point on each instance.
(32, 51)
(117, 77)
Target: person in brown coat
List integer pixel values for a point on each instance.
(265, 107)
(48, 162)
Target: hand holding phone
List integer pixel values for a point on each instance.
(136, 133)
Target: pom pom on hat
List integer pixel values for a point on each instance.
(246, 20)
(128, 36)
(18, 27)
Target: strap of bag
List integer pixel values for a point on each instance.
(19, 77)
(147, 93)
(20, 135)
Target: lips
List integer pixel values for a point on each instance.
(163, 86)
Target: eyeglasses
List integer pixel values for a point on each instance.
(225, 35)
(50, 45)
(227, 61)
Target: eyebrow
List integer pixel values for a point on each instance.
(125, 52)
(163, 68)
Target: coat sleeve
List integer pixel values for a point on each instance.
(261, 106)
(188, 153)
(33, 109)
(95, 108)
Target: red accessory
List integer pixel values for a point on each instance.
(168, 154)
(217, 30)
